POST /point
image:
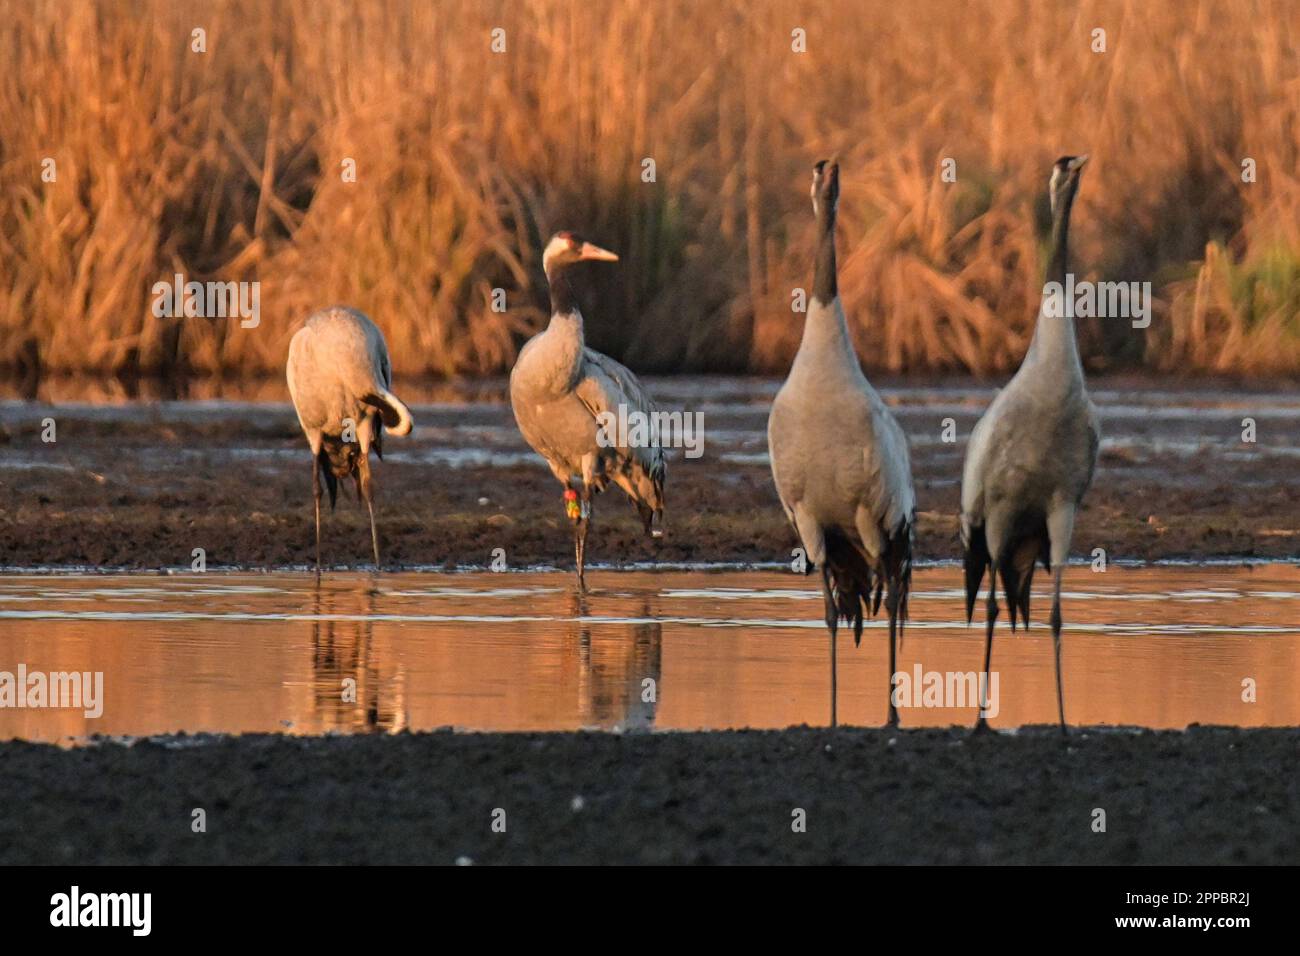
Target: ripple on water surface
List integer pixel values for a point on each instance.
(232, 653)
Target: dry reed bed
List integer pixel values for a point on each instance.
(227, 165)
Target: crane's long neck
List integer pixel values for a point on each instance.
(1054, 341)
(1060, 237)
(566, 319)
(824, 273)
(564, 340)
(563, 300)
(825, 331)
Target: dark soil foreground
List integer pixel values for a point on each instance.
(1204, 796)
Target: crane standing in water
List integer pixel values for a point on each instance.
(840, 460)
(1031, 457)
(560, 390)
(339, 379)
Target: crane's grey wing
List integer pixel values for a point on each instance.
(1094, 446)
(778, 443)
(603, 387)
(606, 383)
(975, 467)
(297, 372)
(892, 494)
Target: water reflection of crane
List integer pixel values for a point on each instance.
(342, 650)
(619, 671)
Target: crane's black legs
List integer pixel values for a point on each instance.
(891, 605)
(1060, 528)
(832, 624)
(580, 552)
(374, 535)
(316, 493)
(1056, 641)
(366, 487)
(577, 507)
(835, 683)
(991, 617)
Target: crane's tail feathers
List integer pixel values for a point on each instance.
(1011, 582)
(396, 416)
(1016, 585)
(829, 593)
(855, 590)
(654, 525)
(652, 518)
(1045, 558)
(904, 589)
(899, 567)
(644, 484)
(1016, 569)
(975, 560)
(1024, 596)
(849, 580)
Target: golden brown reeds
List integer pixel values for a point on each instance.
(227, 165)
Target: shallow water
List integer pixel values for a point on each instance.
(1163, 646)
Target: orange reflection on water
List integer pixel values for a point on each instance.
(1156, 647)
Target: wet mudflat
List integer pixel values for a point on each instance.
(142, 484)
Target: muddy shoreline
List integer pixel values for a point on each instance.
(141, 488)
(870, 796)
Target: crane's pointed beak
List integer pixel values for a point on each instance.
(590, 252)
(1077, 163)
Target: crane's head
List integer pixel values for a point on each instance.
(566, 248)
(1065, 179)
(825, 186)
